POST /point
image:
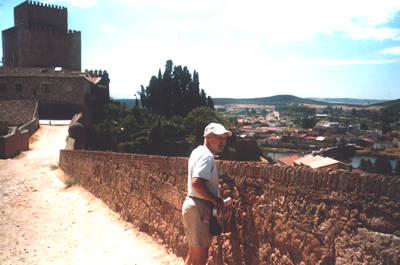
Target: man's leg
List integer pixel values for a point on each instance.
(196, 230)
(198, 255)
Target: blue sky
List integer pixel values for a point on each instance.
(242, 49)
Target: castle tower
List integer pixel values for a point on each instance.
(40, 38)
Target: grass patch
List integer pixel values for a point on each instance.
(54, 166)
(34, 138)
(71, 181)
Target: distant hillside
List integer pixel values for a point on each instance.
(391, 108)
(274, 100)
(127, 101)
(349, 101)
(289, 99)
(390, 103)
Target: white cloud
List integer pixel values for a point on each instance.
(75, 3)
(107, 28)
(177, 5)
(337, 62)
(358, 33)
(281, 21)
(391, 51)
(231, 38)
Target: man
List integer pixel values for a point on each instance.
(203, 193)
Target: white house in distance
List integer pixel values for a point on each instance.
(315, 162)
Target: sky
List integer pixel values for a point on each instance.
(242, 49)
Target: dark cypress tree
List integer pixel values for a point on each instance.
(369, 166)
(397, 168)
(362, 165)
(366, 165)
(210, 102)
(383, 166)
(174, 92)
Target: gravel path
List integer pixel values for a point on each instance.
(43, 222)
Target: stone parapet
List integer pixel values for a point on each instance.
(278, 214)
(14, 142)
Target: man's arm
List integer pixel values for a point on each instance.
(199, 185)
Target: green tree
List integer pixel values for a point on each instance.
(386, 128)
(366, 165)
(364, 126)
(156, 134)
(198, 119)
(174, 92)
(382, 165)
(307, 123)
(120, 128)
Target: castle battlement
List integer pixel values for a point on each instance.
(40, 4)
(36, 13)
(96, 73)
(73, 32)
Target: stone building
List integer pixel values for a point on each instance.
(61, 93)
(40, 38)
(42, 62)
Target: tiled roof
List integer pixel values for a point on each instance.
(368, 140)
(289, 160)
(92, 79)
(316, 161)
(277, 137)
(269, 128)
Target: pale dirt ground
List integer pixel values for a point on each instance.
(42, 222)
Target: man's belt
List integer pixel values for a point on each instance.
(196, 198)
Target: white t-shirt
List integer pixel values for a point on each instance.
(202, 165)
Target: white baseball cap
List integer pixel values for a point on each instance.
(216, 128)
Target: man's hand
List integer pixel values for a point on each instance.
(220, 204)
(200, 187)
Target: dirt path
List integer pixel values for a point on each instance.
(42, 222)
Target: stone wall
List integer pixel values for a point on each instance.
(13, 143)
(279, 215)
(17, 112)
(35, 46)
(59, 95)
(46, 89)
(18, 121)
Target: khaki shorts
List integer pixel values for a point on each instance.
(196, 215)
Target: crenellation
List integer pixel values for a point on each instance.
(35, 4)
(96, 73)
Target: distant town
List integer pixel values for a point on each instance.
(344, 131)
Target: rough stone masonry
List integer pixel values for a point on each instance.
(279, 214)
